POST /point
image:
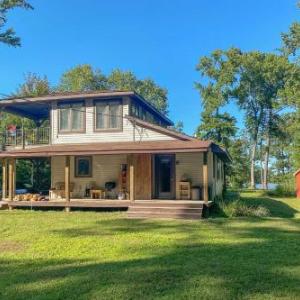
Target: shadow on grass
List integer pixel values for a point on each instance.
(263, 261)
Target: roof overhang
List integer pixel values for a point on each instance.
(166, 146)
(297, 172)
(38, 108)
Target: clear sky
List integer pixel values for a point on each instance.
(161, 39)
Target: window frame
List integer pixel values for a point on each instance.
(76, 159)
(106, 102)
(69, 130)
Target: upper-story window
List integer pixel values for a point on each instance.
(108, 115)
(142, 113)
(71, 117)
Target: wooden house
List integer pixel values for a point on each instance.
(112, 149)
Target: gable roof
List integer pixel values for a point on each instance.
(297, 172)
(38, 110)
(160, 129)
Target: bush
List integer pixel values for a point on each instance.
(233, 206)
(240, 209)
(282, 191)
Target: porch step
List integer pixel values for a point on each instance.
(166, 209)
(3, 205)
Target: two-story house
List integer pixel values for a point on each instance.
(111, 149)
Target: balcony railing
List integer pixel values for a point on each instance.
(25, 137)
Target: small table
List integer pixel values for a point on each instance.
(97, 194)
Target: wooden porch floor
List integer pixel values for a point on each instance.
(89, 203)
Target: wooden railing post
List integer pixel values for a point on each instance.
(205, 178)
(11, 179)
(131, 178)
(23, 138)
(67, 183)
(4, 178)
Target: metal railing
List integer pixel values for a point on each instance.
(25, 137)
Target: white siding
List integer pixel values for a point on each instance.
(90, 136)
(105, 168)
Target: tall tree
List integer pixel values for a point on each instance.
(254, 81)
(220, 128)
(82, 78)
(86, 78)
(126, 80)
(8, 36)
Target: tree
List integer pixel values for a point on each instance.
(34, 85)
(85, 78)
(37, 169)
(238, 170)
(291, 46)
(220, 128)
(179, 126)
(8, 36)
(255, 82)
(82, 78)
(147, 88)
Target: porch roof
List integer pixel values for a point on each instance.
(173, 146)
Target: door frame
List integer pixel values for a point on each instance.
(155, 177)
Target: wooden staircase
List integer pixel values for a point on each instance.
(165, 209)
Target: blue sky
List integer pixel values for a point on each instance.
(161, 39)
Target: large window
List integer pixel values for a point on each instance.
(108, 115)
(83, 166)
(71, 117)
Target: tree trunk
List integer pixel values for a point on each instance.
(266, 167)
(252, 171)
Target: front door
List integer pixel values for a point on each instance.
(164, 170)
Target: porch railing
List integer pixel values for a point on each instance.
(25, 137)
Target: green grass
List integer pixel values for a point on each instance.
(92, 255)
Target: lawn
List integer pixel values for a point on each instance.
(92, 255)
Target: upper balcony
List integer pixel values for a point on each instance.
(24, 138)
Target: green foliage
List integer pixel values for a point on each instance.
(33, 86)
(85, 78)
(8, 36)
(286, 189)
(220, 128)
(179, 126)
(232, 205)
(82, 78)
(157, 96)
(255, 82)
(238, 171)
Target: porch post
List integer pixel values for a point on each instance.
(4, 178)
(205, 178)
(67, 182)
(131, 178)
(11, 178)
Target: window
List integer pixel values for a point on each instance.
(108, 115)
(83, 166)
(71, 117)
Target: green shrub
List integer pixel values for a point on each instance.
(238, 208)
(282, 190)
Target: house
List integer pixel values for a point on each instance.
(297, 181)
(111, 149)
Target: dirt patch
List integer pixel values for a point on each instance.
(11, 246)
